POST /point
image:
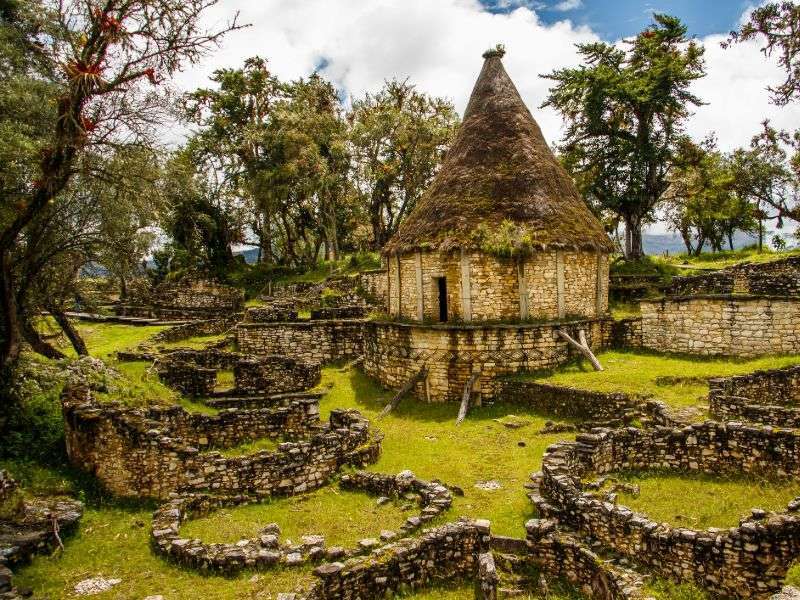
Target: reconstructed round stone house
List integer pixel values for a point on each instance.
(500, 252)
(502, 233)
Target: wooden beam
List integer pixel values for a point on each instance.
(522, 283)
(420, 291)
(462, 412)
(582, 347)
(423, 372)
(560, 283)
(466, 287)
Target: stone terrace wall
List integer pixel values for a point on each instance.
(442, 554)
(375, 287)
(562, 401)
(394, 352)
(722, 325)
(748, 561)
(199, 295)
(775, 278)
(276, 374)
(194, 329)
(133, 453)
(770, 397)
(314, 341)
(623, 334)
(188, 378)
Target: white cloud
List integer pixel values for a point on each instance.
(567, 5)
(438, 46)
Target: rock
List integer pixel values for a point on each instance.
(382, 500)
(387, 535)
(156, 597)
(488, 486)
(294, 559)
(95, 585)
(368, 543)
(787, 593)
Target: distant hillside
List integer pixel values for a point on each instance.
(661, 243)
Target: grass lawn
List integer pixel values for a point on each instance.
(343, 517)
(700, 501)
(676, 380)
(113, 540)
(249, 447)
(727, 258)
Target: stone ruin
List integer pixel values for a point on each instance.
(188, 298)
(746, 561)
(156, 451)
(29, 527)
(266, 550)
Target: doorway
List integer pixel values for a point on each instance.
(441, 284)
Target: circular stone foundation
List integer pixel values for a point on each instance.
(749, 560)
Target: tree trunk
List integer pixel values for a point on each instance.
(72, 334)
(39, 345)
(633, 238)
(9, 351)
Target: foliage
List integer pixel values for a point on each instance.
(398, 138)
(777, 24)
(707, 201)
(625, 110)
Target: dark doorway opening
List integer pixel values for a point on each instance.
(441, 283)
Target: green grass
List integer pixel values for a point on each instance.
(250, 447)
(225, 379)
(727, 258)
(676, 380)
(113, 538)
(343, 517)
(625, 310)
(700, 501)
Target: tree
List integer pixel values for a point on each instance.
(398, 139)
(625, 110)
(766, 175)
(778, 24)
(233, 118)
(96, 70)
(703, 203)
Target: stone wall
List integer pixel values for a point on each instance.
(153, 453)
(775, 278)
(722, 325)
(206, 327)
(394, 352)
(623, 334)
(338, 312)
(443, 554)
(275, 374)
(313, 341)
(266, 550)
(189, 379)
(771, 397)
(375, 287)
(546, 285)
(562, 401)
(748, 561)
(192, 299)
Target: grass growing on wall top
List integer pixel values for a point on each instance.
(675, 379)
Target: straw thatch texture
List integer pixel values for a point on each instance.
(500, 188)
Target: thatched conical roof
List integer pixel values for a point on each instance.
(500, 187)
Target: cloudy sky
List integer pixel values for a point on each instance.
(437, 44)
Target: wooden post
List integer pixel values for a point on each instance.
(420, 291)
(599, 286)
(523, 290)
(560, 283)
(466, 287)
(419, 375)
(464, 409)
(397, 284)
(582, 347)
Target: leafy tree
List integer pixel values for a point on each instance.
(703, 202)
(766, 175)
(398, 138)
(233, 118)
(625, 110)
(778, 24)
(81, 80)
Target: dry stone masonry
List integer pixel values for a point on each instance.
(266, 550)
(154, 452)
(769, 397)
(188, 298)
(774, 278)
(747, 561)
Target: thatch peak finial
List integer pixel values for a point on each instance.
(498, 51)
